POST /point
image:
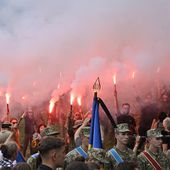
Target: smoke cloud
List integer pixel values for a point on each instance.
(40, 40)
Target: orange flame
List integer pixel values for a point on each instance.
(79, 101)
(133, 75)
(7, 95)
(51, 106)
(114, 79)
(71, 99)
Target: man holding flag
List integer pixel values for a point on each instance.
(96, 153)
(95, 141)
(121, 152)
(79, 153)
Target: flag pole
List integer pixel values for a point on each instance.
(96, 87)
(95, 116)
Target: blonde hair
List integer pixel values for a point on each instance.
(166, 123)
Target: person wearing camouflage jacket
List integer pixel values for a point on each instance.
(120, 152)
(79, 153)
(34, 160)
(153, 156)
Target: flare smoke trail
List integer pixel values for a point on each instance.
(39, 39)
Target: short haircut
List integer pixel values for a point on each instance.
(93, 166)
(6, 168)
(125, 104)
(22, 165)
(77, 165)
(49, 143)
(9, 149)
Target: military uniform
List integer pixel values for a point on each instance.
(99, 157)
(74, 156)
(168, 154)
(34, 160)
(126, 155)
(78, 153)
(159, 157)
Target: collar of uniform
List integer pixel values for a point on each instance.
(120, 150)
(44, 167)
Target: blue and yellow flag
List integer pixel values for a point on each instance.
(95, 140)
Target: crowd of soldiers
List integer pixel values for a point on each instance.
(144, 145)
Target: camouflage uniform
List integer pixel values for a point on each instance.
(34, 160)
(168, 154)
(127, 155)
(160, 157)
(98, 156)
(74, 155)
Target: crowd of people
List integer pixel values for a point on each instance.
(143, 144)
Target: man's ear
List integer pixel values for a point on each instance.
(53, 154)
(116, 134)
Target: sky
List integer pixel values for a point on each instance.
(48, 47)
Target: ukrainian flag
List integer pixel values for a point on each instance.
(95, 140)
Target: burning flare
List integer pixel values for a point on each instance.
(71, 99)
(7, 95)
(79, 101)
(114, 79)
(23, 97)
(51, 106)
